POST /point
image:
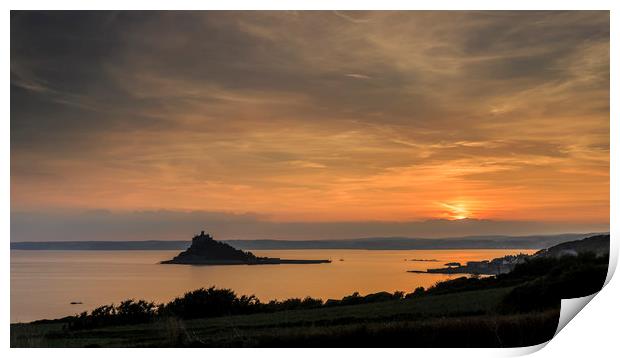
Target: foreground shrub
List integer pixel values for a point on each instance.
(127, 312)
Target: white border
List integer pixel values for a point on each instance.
(313, 5)
(593, 332)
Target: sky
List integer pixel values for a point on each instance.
(308, 124)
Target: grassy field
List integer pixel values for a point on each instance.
(451, 320)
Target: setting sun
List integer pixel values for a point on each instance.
(456, 211)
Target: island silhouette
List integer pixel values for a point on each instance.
(207, 251)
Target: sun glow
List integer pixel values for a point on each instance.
(456, 211)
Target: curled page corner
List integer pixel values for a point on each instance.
(523, 351)
(613, 260)
(570, 308)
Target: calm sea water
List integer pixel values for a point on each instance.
(43, 283)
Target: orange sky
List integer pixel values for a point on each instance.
(324, 116)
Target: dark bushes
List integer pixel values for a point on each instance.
(127, 312)
(291, 304)
(209, 302)
(416, 293)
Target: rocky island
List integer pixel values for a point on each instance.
(207, 251)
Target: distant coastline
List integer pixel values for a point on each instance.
(536, 242)
(596, 245)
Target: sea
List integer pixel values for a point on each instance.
(55, 284)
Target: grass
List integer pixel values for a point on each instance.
(459, 319)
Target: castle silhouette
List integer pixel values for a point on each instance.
(201, 237)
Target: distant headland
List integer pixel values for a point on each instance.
(207, 251)
(596, 245)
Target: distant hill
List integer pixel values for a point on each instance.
(599, 245)
(535, 242)
(401, 243)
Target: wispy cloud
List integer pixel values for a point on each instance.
(358, 76)
(506, 113)
(348, 15)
